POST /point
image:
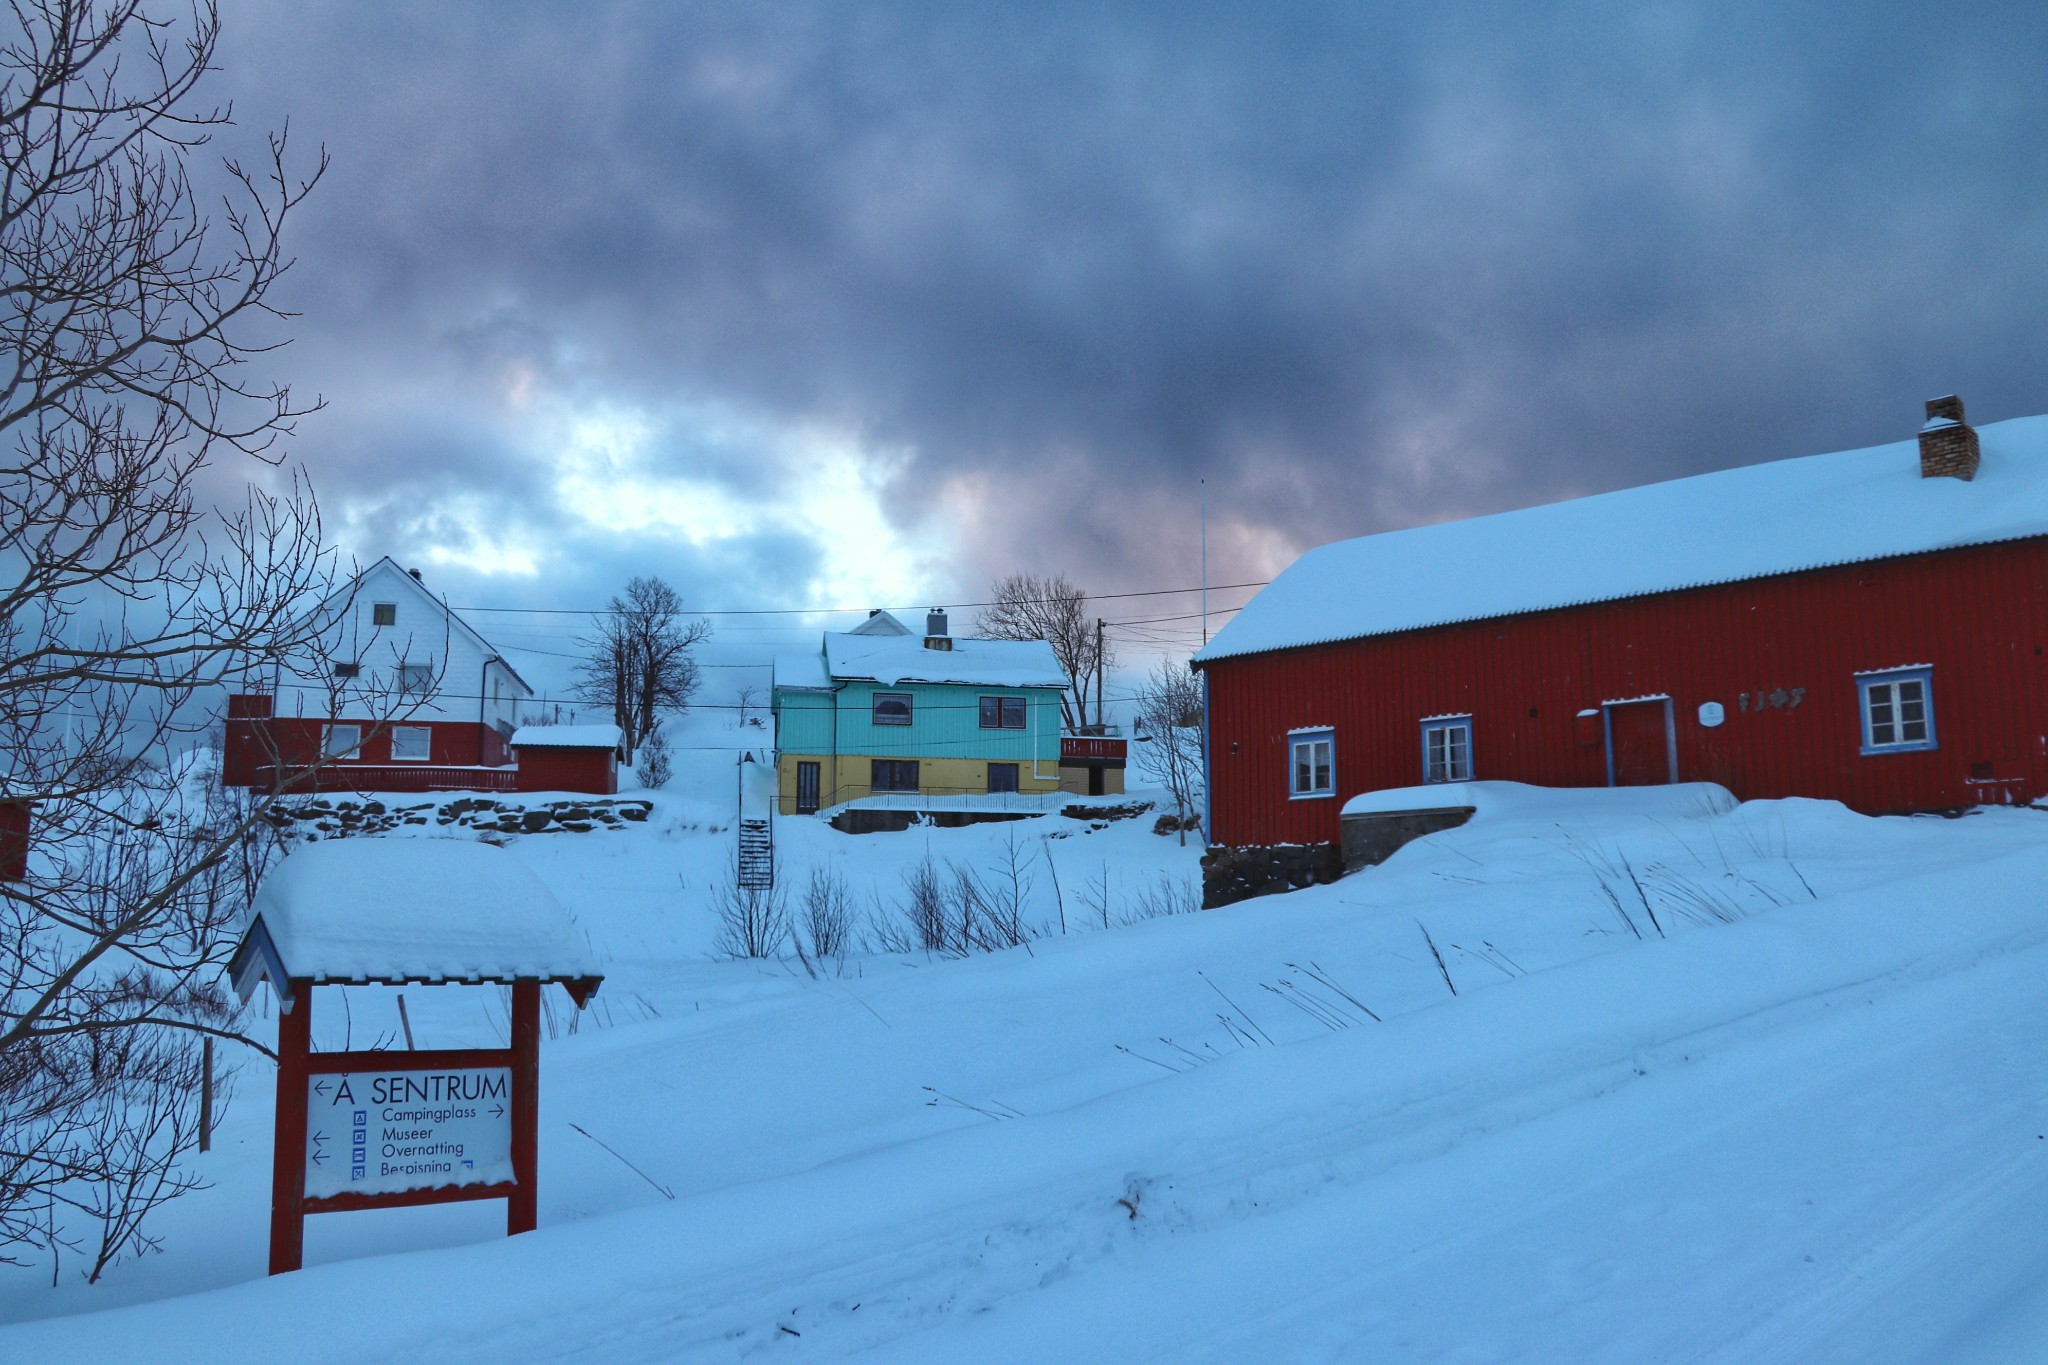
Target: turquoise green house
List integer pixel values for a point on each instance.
(882, 711)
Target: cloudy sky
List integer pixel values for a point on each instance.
(867, 303)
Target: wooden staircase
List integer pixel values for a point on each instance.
(754, 865)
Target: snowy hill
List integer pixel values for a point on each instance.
(1716, 1083)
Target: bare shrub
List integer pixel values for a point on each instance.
(752, 921)
(825, 914)
(1169, 895)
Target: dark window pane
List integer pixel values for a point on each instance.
(892, 708)
(894, 775)
(384, 614)
(1013, 713)
(991, 713)
(1002, 777)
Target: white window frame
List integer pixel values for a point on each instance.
(1312, 740)
(1889, 691)
(875, 701)
(330, 741)
(1452, 771)
(378, 609)
(415, 680)
(426, 734)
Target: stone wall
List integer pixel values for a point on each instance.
(1230, 875)
(331, 818)
(1373, 838)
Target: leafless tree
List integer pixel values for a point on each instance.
(1025, 606)
(1168, 712)
(130, 314)
(638, 659)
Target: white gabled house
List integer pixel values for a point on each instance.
(405, 691)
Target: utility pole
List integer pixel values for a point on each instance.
(1099, 726)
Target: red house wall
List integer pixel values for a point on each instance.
(1979, 616)
(550, 769)
(255, 742)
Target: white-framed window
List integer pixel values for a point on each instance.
(342, 741)
(384, 613)
(1898, 710)
(412, 743)
(891, 708)
(415, 679)
(1447, 749)
(1312, 763)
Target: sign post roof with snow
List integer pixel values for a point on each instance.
(451, 1124)
(397, 911)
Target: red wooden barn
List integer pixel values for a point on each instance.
(1867, 626)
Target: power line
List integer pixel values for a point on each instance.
(828, 611)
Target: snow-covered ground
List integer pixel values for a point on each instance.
(1784, 1102)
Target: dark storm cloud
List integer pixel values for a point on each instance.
(1357, 268)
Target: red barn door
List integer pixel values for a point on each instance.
(1640, 748)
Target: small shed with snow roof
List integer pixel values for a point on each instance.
(567, 758)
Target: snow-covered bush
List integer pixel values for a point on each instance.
(655, 766)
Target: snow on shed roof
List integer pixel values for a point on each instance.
(900, 659)
(1782, 517)
(399, 910)
(802, 672)
(566, 737)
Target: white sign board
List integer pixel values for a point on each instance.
(382, 1132)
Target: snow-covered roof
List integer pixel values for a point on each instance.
(1782, 517)
(566, 737)
(399, 910)
(802, 673)
(900, 659)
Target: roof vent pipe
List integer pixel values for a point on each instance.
(1948, 444)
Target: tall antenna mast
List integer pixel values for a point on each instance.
(1205, 563)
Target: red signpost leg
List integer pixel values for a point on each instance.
(288, 1156)
(522, 1209)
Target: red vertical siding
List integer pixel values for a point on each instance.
(1979, 616)
(255, 743)
(549, 769)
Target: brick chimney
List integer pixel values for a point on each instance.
(1948, 444)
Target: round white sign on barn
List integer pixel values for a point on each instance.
(1711, 714)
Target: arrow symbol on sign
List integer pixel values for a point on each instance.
(319, 1138)
(319, 1157)
(320, 1088)
(497, 1111)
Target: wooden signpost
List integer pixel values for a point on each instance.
(389, 1129)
